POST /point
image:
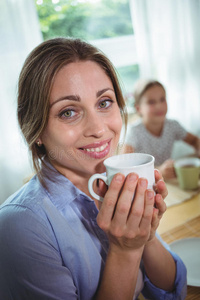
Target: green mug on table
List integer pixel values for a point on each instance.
(187, 171)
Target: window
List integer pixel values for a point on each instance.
(106, 24)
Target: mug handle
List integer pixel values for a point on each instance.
(90, 185)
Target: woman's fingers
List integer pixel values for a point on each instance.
(138, 205)
(160, 186)
(148, 211)
(110, 200)
(124, 203)
(161, 189)
(101, 187)
(160, 205)
(140, 218)
(101, 190)
(158, 212)
(157, 175)
(125, 218)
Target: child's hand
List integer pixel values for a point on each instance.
(167, 169)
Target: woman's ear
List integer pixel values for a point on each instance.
(39, 142)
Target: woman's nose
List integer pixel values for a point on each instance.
(95, 125)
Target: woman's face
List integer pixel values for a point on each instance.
(153, 105)
(84, 121)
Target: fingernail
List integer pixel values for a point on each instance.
(132, 177)
(119, 177)
(143, 182)
(150, 194)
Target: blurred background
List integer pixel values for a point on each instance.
(143, 38)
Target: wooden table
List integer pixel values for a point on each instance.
(182, 221)
(177, 215)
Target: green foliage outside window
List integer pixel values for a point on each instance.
(90, 20)
(84, 19)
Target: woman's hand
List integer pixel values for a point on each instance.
(128, 223)
(159, 206)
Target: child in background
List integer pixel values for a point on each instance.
(153, 133)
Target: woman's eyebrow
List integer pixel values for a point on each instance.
(99, 93)
(77, 98)
(68, 97)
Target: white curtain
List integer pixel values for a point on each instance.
(19, 34)
(168, 48)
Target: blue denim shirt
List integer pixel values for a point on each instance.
(52, 248)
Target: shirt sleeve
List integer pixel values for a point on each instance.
(180, 132)
(152, 292)
(30, 262)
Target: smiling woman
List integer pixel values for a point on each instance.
(60, 238)
(84, 120)
(66, 91)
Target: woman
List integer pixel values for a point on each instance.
(58, 243)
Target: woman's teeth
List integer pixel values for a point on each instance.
(98, 149)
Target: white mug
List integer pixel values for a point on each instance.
(140, 163)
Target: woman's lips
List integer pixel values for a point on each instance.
(100, 151)
(97, 149)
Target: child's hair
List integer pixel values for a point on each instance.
(142, 86)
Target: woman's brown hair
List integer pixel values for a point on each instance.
(36, 80)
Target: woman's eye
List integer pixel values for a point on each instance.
(67, 113)
(105, 103)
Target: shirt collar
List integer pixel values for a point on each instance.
(60, 190)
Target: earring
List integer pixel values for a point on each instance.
(38, 143)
